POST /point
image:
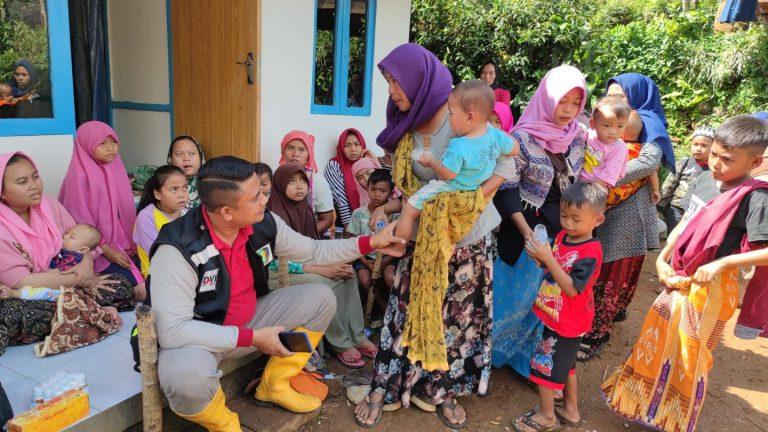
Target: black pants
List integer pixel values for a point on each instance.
(6, 412)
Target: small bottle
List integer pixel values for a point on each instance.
(540, 233)
(380, 225)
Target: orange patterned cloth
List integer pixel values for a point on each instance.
(663, 382)
(618, 194)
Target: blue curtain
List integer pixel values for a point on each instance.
(739, 11)
(89, 60)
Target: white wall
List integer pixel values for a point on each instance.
(51, 154)
(286, 57)
(138, 65)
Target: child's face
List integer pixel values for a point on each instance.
(173, 194)
(579, 222)
(5, 93)
(729, 164)
(353, 150)
(379, 193)
(297, 188)
(608, 127)
(106, 152)
(568, 108)
(265, 183)
(296, 152)
(462, 121)
(186, 156)
(495, 121)
(700, 148)
(79, 238)
(362, 176)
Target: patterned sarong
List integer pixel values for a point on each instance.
(663, 382)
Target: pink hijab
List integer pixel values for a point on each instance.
(42, 237)
(96, 193)
(361, 164)
(537, 116)
(504, 113)
(308, 140)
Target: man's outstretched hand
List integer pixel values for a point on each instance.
(386, 242)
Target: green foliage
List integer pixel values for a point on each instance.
(704, 76)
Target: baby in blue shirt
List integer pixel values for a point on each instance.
(470, 157)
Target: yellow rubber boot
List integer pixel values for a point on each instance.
(275, 386)
(216, 417)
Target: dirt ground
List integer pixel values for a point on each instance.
(737, 398)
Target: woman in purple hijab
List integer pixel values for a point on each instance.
(419, 86)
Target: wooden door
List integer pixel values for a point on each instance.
(213, 99)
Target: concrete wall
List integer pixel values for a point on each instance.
(51, 154)
(286, 57)
(139, 73)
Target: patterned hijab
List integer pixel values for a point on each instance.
(426, 82)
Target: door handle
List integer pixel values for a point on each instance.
(249, 67)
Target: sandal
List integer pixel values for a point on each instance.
(529, 422)
(371, 405)
(423, 404)
(451, 406)
(563, 419)
(348, 359)
(368, 349)
(587, 352)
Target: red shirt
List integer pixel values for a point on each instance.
(242, 296)
(570, 316)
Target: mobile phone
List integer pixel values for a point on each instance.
(295, 341)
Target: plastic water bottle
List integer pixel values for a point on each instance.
(540, 233)
(380, 225)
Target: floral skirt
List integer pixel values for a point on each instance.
(516, 330)
(613, 293)
(467, 322)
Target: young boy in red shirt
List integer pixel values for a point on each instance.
(565, 304)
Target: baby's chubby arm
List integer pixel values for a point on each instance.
(428, 160)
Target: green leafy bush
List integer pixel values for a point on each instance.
(703, 76)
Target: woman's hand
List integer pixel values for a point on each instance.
(83, 272)
(116, 256)
(665, 272)
(103, 283)
(707, 272)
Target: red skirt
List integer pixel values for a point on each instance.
(613, 292)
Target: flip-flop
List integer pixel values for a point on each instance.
(564, 420)
(527, 420)
(452, 407)
(369, 353)
(350, 362)
(357, 394)
(308, 384)
(422, 404)
(590, 351)
(378, 416)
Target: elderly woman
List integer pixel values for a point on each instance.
(418, 117)
(31, 228)
(630, 228)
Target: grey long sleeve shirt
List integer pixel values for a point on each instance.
(174, 284)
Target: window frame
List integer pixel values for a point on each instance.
(341, 62)
(62, 92)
